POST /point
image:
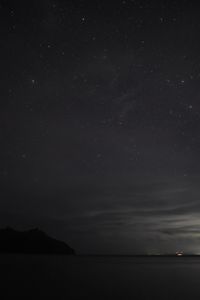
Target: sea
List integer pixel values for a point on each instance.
(98, 277)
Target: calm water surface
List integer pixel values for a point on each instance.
(63, 277)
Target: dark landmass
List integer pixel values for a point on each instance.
(32, 241)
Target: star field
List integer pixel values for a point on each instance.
(100, 118)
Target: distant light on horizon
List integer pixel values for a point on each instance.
(179, 253)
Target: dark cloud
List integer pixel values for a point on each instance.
(151, 212)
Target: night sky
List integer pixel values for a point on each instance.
(100, 123)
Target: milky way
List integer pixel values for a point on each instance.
(100, 122)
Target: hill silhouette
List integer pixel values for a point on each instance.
(33, 241)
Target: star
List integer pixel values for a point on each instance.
(168, 81)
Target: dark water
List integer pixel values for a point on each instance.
(62, 277)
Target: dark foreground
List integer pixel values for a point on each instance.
(71, 277)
